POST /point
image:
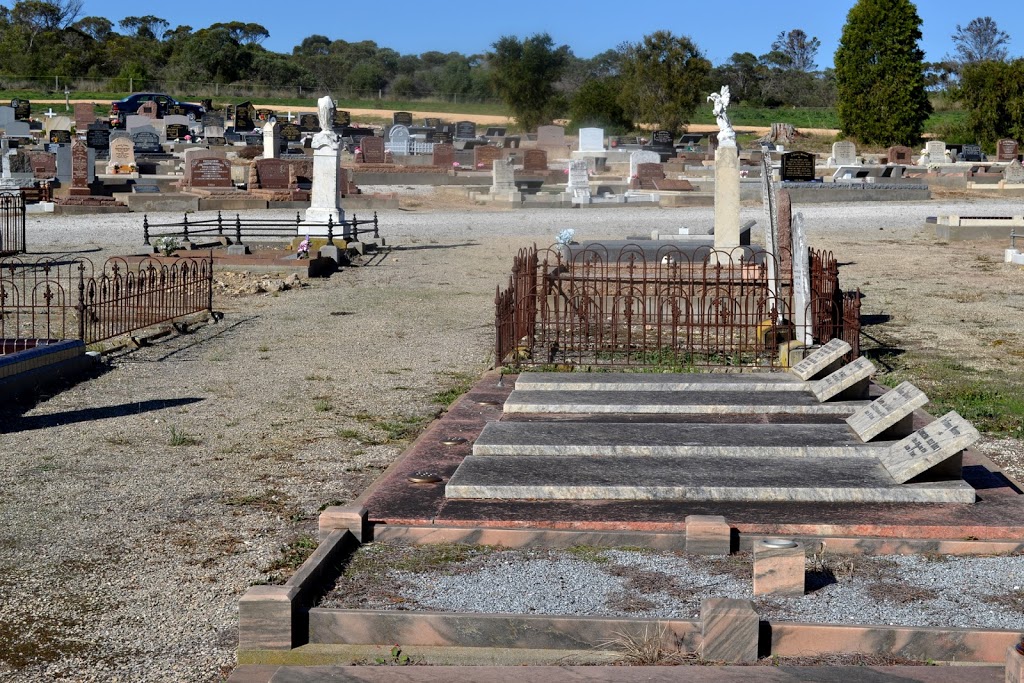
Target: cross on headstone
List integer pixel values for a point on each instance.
(49, 113)
(290, 117)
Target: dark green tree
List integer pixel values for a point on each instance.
(880, 73)
(664, 80)
(993, 94)
(524, 73)
(596, 103)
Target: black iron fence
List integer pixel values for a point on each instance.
(672, 308)
(12, 223)
(217, 229)
(66, 299)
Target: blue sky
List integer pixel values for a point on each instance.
(719, 28)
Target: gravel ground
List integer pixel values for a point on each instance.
(979, 592)
(140, 504)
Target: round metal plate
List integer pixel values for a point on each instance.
(453, 440)
(425, 478)
(779, 543)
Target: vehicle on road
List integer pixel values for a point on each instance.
(165, 105)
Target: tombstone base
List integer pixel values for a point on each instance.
(238, 250)
(320, 216)
(79, 192)
(330, 251)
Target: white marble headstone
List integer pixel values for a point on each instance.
(842, 379)
(820, 358)
(844, 153)
(936, 150)
(803, 316)
(887, 410)
(579, 179)
(928, 447)
(591, 140)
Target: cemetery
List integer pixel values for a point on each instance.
(696, 396)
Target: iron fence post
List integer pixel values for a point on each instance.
(220, 228)
(238, 229)
(145, 229)
(330, 230)
(184, 230)
(355, 227)
(81, 302)
(376, 232)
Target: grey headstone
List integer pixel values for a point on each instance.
(928, 447)
(1013, 174)
(842, 379)
(820, 358)
(592, 140)
(886, 411)
(642, 157)
(844, 153)
(803, 315)
(17, 129)
(6, 115)
(770, 206)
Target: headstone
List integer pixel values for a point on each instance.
(591, 140)
(1013, 174)
(85, 114)
(273, 174)
(271, 140)
(802, 313)
(56, 123)
(98, 136)
(663, 139)
(18, 129)
(244, 117)
(22, 109)
(7, 115)
(444, 137)
(210, 172)
(212, 119)
(648, 174)
(770, 207)
(177, 131)
(265, 115)
(325, 195)
(971, 153)
(846, 377)
(1007, 150)
(373, 150)
(308, 123)
(342, 118)
(44, 165)
(820, 359)
(133, 122)
(290, 132)
(148, 109)
(402, 118)
(886, 411)
(797, 167)
(485, 155)
(504, 179)
(122, 155)
(579, 179)
(146, 142)
(60, 137)
(465, 130)
(553, 136)
(844, 154)
(399, 138)
(535, 160)
(431, 122)
(80, 168)
(898, 154)
(642, 157)
(145, 188)
(62, 154)
(928, 447)
(936, 151)
(174, 110)
(444, 155)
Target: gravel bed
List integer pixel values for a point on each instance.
(969, 592)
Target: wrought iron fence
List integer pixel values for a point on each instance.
(241, 230)
(12, 223)
(669, 307)
(66, 299)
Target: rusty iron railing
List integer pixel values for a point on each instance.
(52, 299)
(661, 307)
(12, 223)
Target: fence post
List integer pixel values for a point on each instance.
(330, 230)
(355, 228)
(220, 225)
(298, 223)
(238, 229)
(145, 229)
(184, 231)
(376, 231)
(81, 302)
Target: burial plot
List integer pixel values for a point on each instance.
(797, 167)
(928, 447)
(373, 150)
(648, 175)
(894, 406)
(1007, 150)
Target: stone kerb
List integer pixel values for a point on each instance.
(730, 630)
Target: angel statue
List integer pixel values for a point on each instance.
(325, 112)
(726, 135)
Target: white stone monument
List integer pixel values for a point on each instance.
(727, 180)
(271, 139)
(503, 184)
(325, 200)
(803, 314)
(579, 181)
(591, 140)
(844, 153)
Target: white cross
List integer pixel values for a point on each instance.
(49, 113)
(290, 117)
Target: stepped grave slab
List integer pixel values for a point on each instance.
(578, 381)
(660, 439)
(666, 402)
(697, 478)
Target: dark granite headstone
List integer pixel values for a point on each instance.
(147, 143)
(372, 149)
(177, 131)
(22, 109)
(212, 119)
(798, 167)
(145, 189)
(265, 115)
(432, 122)
(175, 110)
(309, 123)
(290, 132)
(442, 137)
(272, 174)
(60, 137)
(401, 118)
(342, 118)
(496, 132)
(252, 140)
(971, 153)
(243, 117)
(662, 138)
(98, 136)
(465, 130)
(210, 172)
